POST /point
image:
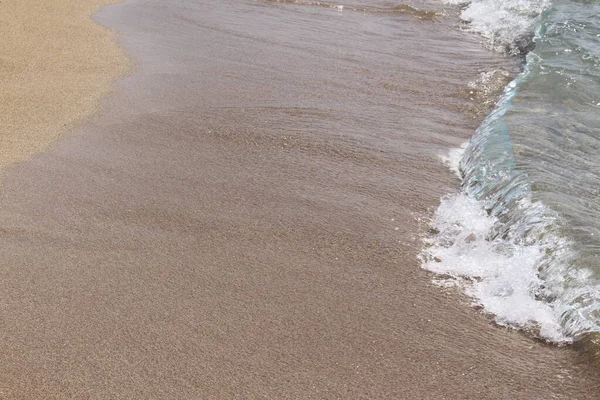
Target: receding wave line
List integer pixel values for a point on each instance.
(398, 9)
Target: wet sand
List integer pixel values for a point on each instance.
(55, 65)
(241, 220)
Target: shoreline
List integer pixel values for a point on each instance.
(240, 225)
(57, 64)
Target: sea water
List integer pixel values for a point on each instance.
(522, 238)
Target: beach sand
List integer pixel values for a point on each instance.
(55, 65)
(242, 219)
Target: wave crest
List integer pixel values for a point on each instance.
(508, 25)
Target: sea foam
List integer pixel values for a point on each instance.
(507, 25)
(500, 276)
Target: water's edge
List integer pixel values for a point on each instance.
(501, 238)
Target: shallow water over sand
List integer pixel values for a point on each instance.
(241, 220)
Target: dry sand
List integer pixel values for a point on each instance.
(241, 220)
(55, 65)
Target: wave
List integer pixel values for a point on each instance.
(508, 25)
(517, 238)
(494, 237)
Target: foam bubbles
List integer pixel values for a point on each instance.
(453, 158)
(500, 276)
(508, 25)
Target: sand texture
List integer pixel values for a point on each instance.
(55, 64)
(242, 219)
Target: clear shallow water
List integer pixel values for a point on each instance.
(523, 237)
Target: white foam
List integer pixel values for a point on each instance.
(453, 158)
(503, 22)
(500, 276)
